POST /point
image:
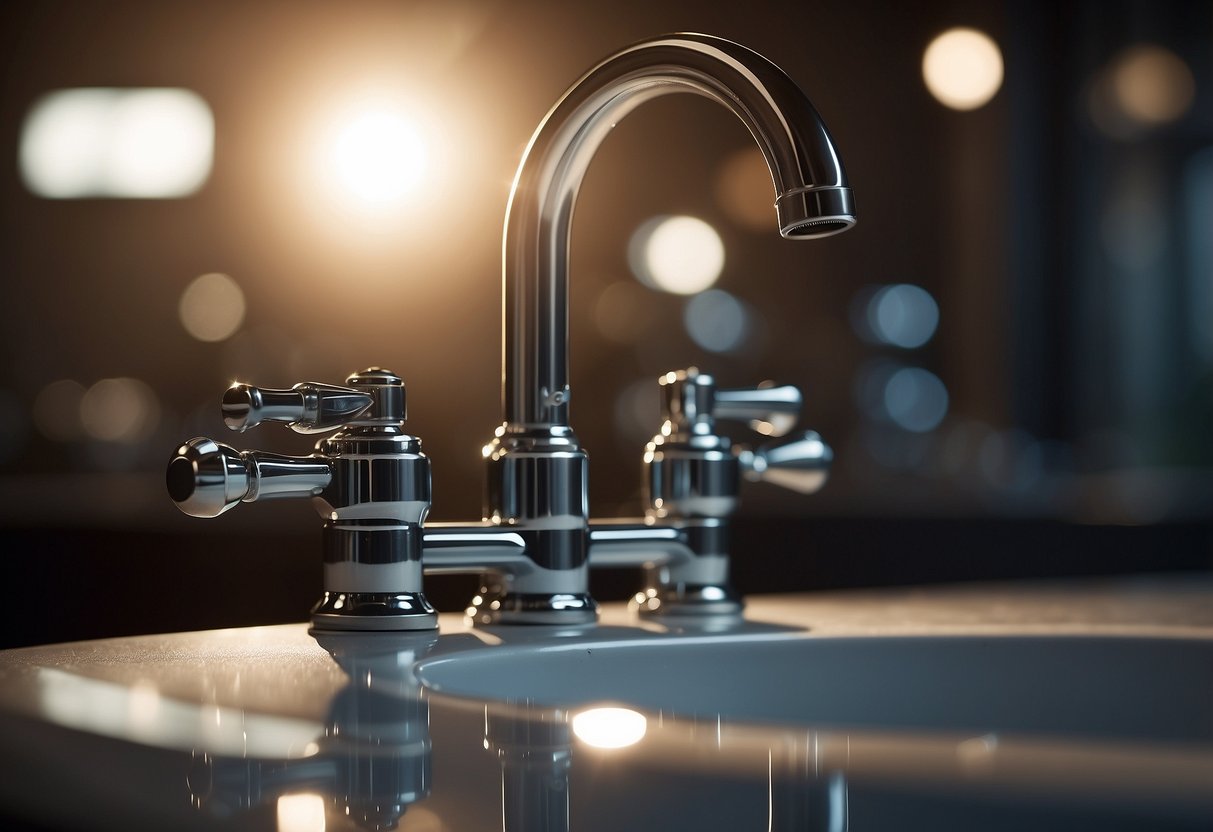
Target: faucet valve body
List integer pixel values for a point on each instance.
(370, 482)
(693, 479)
(537, 486)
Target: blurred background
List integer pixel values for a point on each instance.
(1011, 353)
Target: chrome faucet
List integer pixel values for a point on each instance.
(537, 480)
(535, 545)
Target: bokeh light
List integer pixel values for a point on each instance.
(717, 321)
(915, 399)
(610, 727)
(302, 812)
(677, 254)
(121, 410)
(212, 307)
(1152, 84)
(962, 68)
(377, 156)
(57, 410)
(1143, 87)
(108, 142)
(900, 315)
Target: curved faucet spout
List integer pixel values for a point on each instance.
(812, 197)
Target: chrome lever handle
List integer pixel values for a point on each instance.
(800, 462)
(309, 407)
(770, 410)
(206, 478)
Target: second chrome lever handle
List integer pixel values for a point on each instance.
(770, 410)
(310, 407)
(800, 462)
(206, 478)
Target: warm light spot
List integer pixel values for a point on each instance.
(377, 157)
(962, 68)
(915, 399)
(107, 142)
(744, 190)
(716, 321)
(610, 727)
(1152, 85)
(683, 255)
(212, 307)
(57, 410)
(143, 706)
(301, 813)
(121, 410)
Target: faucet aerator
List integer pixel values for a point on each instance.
(812, 213)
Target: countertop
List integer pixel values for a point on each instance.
(268, 727)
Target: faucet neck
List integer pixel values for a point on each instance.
(812, 195)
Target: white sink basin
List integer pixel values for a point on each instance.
(1134, 688)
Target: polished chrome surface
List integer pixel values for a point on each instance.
(537, 472)
(811, 191)
(800, 463)
(629, 543)
(1043, 706)
(370, 482)
(206, 478)
(693, 483)
(374, 611)
(308, 407)
(768, 409)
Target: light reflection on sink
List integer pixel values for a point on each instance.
(1128, 688)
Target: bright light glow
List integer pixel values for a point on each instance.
(301, 813)
(212, 307)
(106, 142)
(123, 410)
(143, 705)
(962, 68)
(377, 157)
(716, 321)
(915, 399)
(610, 727)
(683, 255)
(1152, 85)
(57, 410)
(901, 315)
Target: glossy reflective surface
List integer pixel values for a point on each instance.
(1045, 707)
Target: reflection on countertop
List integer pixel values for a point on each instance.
(272, 727)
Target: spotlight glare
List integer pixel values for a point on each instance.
(378, 157)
